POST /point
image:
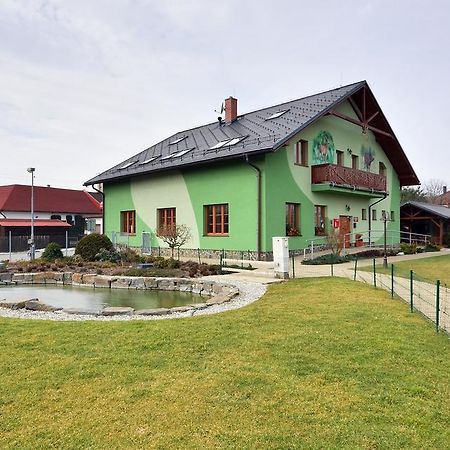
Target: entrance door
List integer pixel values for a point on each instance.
(344, 230)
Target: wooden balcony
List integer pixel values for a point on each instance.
(346, 177)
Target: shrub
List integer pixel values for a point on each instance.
(128, 255)
(107, 255)
(408, 249)
(332, 258)
(432, 247)
(52, 252)
(89, 246)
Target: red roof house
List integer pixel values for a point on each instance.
(55, 211)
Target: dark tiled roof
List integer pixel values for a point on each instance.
(17, 197)
(260, 135)
(438, 210)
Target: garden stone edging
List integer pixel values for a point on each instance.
(219, 293)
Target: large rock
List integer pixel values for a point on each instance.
(18, 277)
(137, 283)
(67, 278)
(218, 300)
(166, 284)
(79, 312)
(28, 278)
(185, 285)
(53, 277)
(181, 309)
(5, 277)
(121, 283)
(198, 305)
(153, 312)
(39, 278)
(197, 288)
(208, 288)
(36, 305)
(117, 311)
(12, 304)
(102, 281)
(77, 278)
(150, 283)
(88, 279)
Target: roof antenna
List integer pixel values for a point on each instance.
(222, 109)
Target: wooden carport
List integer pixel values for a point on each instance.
(425, 218)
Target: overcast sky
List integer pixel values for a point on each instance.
(85, 84)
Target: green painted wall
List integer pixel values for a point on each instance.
(288, 182)
(235, 183)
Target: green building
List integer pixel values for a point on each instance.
(325, 163)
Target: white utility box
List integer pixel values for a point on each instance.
(280, 246)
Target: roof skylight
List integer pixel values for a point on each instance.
(128, 164)
(219, 144)
(176, 154)
(176, 141)
(277, 114)
(227, 143)
(149, 160)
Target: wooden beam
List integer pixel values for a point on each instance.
(364, 105)
(355, 107)
(363, 125)
(373, 116)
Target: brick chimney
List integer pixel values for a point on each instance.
(444, 189)
(230, 109)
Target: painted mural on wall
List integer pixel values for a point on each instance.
(323, 148)
(368, 156)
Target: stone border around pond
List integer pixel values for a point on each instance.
(217, 292)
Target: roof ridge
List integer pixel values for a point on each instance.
(246, 113)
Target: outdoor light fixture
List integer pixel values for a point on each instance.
(31, 241)
(347, 207)
(349, 151)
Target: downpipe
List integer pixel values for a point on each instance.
(258, 229)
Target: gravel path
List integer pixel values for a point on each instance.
(249, 293)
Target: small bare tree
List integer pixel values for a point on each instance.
(174, 235)
(334, 241)
(434, 188)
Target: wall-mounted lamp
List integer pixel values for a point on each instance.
(347, 207)
(349, 151)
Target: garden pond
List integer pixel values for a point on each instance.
(94, 300)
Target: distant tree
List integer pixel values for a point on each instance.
(412, 194)
(434, 188)
(174, 235)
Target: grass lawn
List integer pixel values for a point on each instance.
(317, 363)
(426, 269)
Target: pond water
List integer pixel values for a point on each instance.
(94, 300)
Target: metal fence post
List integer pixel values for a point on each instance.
(67, 242)
(374, 274)
(356, 268)
(332, 269)
(10, 245)
(293, 266)
(392, 280)
(438, 285)
(198, 255)
(411, 288)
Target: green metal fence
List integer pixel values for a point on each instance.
(427, 297)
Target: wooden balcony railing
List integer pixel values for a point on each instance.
(346, 176)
